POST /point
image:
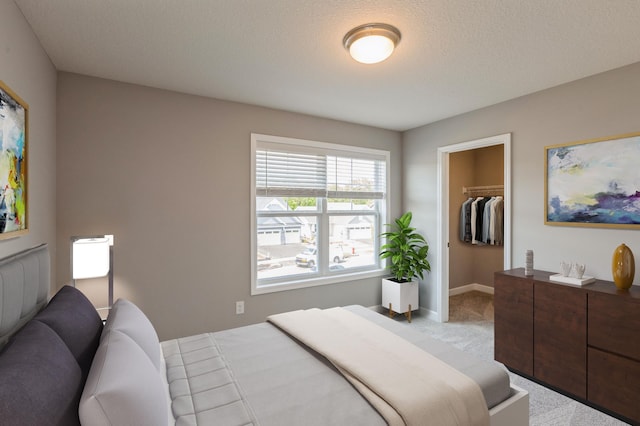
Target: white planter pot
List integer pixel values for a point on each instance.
(400, 297)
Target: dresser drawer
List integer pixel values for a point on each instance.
(513, 330)
(614, 383)
(560, 337)
(614, 324)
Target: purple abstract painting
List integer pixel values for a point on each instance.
(594, 183)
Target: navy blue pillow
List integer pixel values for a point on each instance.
(40, 381)
(73, 317)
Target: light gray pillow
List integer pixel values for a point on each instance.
(123, 387)
(130, 320)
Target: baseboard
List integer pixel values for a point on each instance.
(471, 287)
(433, 315)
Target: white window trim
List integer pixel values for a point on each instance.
(307, 282)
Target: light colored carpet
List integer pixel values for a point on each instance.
(470, 328)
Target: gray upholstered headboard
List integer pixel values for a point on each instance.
(24, 288)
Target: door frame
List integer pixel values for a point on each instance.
(442, 280)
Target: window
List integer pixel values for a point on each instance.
(318, 210)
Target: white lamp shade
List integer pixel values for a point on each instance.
(90, 258)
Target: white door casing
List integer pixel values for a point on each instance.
(442, 256)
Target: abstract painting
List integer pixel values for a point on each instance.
(13, 164)
(594, 183)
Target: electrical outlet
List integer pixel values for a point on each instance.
(240, 307)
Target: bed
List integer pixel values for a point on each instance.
(60, 365)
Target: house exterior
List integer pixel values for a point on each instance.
(278, 230)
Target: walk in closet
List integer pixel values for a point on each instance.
(476, 175)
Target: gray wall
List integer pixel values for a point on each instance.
(603, 105)
(169, 175)
(27, 70)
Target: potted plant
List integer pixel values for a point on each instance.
(407, 253)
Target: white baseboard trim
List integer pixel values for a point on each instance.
(470, 287)
(432, 315)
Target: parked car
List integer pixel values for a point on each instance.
(309, 257)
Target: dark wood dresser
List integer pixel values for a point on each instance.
(581, 341)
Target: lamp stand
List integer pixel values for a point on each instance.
(110, 276)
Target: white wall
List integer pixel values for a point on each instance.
(169, 175)
(27, 70)
(603, 105)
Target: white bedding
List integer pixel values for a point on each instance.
(276, 380)
(404, 383)
(281, 382)
(202, 387)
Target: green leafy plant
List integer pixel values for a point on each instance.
(406, 249)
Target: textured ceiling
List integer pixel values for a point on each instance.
(455, 55)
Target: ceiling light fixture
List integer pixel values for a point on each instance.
(371, 43)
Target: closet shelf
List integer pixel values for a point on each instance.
(486, 190)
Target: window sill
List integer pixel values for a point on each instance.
(314, 282)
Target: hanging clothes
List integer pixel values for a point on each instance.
(465, 221)
(482, 201)
(486, 220)
(496, 227)
(481, 220)
(474, 220)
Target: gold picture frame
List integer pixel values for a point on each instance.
(593, 183)
(14, 142)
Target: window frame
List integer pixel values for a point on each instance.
(323, 276)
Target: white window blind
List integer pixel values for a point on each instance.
(290, 174)
(293, 172)
(355, 178)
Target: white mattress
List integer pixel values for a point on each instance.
(259, 375)
(201, 385)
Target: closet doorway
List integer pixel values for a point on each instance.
(445, 212)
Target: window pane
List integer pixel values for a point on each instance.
(281, 239)
(343, 204)
(352, 241)
(281, 204)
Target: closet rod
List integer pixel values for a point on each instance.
(483, 190)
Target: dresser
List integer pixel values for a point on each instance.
(581, 341)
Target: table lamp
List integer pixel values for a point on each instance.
(92, 257)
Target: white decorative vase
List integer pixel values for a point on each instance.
(400, 297)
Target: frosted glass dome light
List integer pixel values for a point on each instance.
(371, 43)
